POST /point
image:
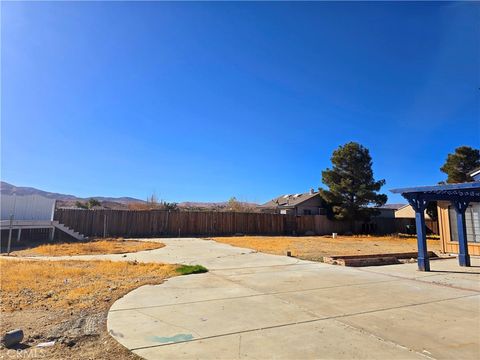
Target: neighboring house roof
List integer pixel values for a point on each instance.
(392, 206)
(290, 200)
(475, 174)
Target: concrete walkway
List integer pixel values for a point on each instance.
(259, 306)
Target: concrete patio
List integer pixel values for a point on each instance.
(260, 306)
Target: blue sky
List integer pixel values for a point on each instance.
(204, 101)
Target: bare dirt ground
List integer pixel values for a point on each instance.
(316, 247)
(67, 302)
(91, 247)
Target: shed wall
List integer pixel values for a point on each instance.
(449, 246)
(28, 207)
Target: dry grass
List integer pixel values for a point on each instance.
(316, 247)
(67, 301)
(32, 284)
(92, 247)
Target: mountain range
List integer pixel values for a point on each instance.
(9, 189)
(66, 200)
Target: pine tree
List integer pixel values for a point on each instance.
(352, 190)
(457, 166)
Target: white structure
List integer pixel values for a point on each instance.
(28, 207)
(30, 212)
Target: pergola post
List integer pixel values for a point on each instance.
(51, 235)
(463, 256)
(419, 205)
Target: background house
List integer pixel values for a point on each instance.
(388, 210)
(405, 221)
(475, 174)
(407, 212)
(297, 204)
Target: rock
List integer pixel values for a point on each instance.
(12, 338)
(49, 294)
(69, 342)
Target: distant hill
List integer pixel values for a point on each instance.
(65, 200)
(217, 206)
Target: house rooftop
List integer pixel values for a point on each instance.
(392, 206)
(290, 200)
(475, 174)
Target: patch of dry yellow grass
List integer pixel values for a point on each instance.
(93, 247)
(316, 247)
(36, 284)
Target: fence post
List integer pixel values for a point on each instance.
(10, 235)
(52, 233)
(166, 223)
(104, 225)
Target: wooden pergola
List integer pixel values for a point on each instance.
(460, 196)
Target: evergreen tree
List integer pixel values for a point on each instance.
(92, 203)
(457, 166)
(351, 186)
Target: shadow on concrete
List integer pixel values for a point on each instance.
(456, 272)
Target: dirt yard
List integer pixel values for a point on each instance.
(92, 247)
(67, 302)
(316, 247)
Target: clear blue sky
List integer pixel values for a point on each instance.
(204, 101)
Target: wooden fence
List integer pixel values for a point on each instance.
(321, 225)
(147, 223)
(130, 223)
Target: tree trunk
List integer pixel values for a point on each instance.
(352, 226)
